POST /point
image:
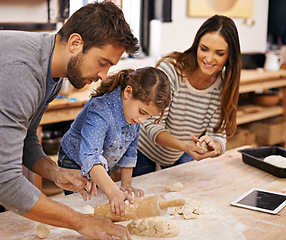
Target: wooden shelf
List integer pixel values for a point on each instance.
(29, 26)
(266, 112)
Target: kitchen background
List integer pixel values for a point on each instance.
(163, 26)
(179, 31)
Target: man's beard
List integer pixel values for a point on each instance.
(74, 73)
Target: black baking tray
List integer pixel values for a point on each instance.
(255, 157)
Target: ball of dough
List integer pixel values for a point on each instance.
(175, 187)
(203, 145)
(276, 160)
(156, 227)
(42, 230)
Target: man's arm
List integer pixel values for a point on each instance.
(69, 179)
(56, 214)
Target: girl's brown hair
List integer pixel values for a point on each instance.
(149, 85)
(186, 62)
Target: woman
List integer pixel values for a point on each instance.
(205, 82)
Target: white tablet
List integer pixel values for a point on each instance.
(261, 200)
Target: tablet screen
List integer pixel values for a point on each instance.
(262, 200)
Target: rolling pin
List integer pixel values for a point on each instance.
(141, 208)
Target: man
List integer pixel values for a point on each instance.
(31, 69)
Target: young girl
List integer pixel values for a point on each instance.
(106, 131)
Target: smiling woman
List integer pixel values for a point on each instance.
(204, 80)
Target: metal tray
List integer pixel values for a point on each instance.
(255, 157)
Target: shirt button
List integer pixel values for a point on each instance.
(120, 147)
(115, 160)
(123, 132)
(111, 145)
(96, 149)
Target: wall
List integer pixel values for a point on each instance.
(178, 35)
(27, 11)
(165, 37)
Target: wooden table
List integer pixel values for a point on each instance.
(214, 182)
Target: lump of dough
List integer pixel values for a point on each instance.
(42, 230)
(276, 160)
(203, 145)
(87, 209)
(175, 187)
(156, 227)
(190, 210)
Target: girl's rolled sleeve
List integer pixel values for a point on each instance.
(91, 159)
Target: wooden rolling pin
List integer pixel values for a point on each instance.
(141, 208)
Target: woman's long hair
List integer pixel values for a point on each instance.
(186, 62)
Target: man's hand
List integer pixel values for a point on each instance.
(97, 228)
(56, 214)
(69, 179)
(72, 180)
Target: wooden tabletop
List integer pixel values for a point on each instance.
(214, 182)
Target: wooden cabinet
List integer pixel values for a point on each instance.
(252, 80)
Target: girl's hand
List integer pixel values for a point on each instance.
(134, 192)
(117, 204)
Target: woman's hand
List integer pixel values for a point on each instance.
(197, 153)
(134, 192)
(210, 145)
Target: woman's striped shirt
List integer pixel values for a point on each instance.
(190, 112)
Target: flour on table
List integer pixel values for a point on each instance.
(276, 160)
(175, 187)
(190, 210)
(42, 230)
(87, 209)
(157, 227)
(203, 145)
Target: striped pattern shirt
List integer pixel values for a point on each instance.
(190, 112)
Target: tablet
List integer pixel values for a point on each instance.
(261, 200)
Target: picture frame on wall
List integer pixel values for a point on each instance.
(230, 8)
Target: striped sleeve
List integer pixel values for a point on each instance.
(190, 113)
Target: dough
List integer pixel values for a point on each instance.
(42, 230)
(87, 209)
(203, 145)
(175, 187)
(276, 160)
(157, 227)
(190, 210)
